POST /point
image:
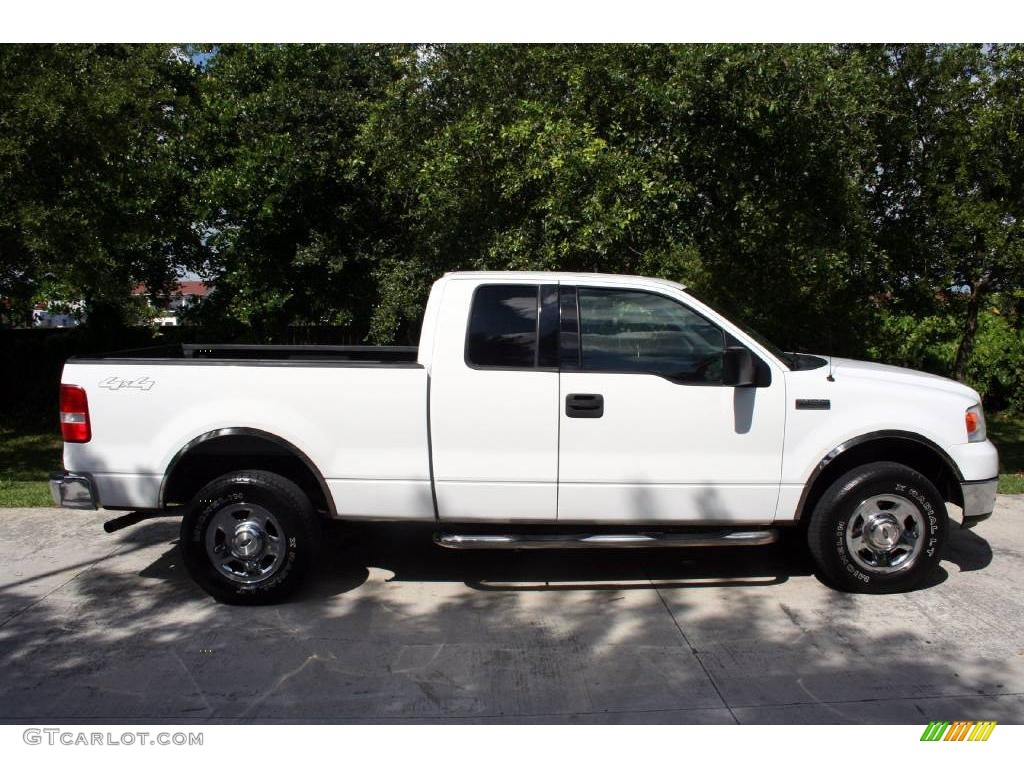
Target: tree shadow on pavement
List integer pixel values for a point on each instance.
(394, 629)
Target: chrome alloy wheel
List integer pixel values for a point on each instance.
(885, 534)
(245, 543)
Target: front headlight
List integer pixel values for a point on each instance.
(974, 419)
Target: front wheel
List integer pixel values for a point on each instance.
(881, 527)
(249, 537)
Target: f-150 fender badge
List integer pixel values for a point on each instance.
(115, 382)
(813, 405)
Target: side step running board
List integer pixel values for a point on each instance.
(723, 538)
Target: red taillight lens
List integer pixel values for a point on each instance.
(74, 414)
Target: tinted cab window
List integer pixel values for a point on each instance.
(634, 331)
(503, 327)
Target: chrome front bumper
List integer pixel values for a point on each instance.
(979, 500)
(74, 491)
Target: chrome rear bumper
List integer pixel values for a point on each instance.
(979, 500)
(73, 491)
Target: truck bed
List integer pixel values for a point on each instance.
(360, 411)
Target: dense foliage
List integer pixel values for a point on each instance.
(860, 199)
(95, 173)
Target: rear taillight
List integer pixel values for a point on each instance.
(74, 414)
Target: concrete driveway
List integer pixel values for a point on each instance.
(98, 627)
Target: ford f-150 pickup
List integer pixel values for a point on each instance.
(540, 410)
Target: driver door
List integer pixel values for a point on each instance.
(648, 432)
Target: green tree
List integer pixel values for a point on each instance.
(292, 213)
(95, 173)
(845, 198)
(950, 187)
(738, 169)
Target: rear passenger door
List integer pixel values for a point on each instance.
(494, 402)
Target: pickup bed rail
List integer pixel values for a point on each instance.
(257, 352)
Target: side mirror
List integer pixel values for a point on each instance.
(738, 369)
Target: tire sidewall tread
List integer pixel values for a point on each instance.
(826, 535)
(294, 512)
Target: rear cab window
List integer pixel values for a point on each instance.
(513, 326)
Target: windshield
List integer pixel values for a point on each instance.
(786, 357)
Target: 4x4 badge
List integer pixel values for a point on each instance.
(115, 382)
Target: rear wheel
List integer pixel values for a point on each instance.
(881, 527)
(250, 537)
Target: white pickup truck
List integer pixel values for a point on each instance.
(539, 410)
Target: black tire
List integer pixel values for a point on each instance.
(290, 537)
(860, 495)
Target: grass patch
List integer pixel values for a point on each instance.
(24, 493)
(1006, 430)
(28, 454)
